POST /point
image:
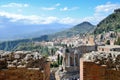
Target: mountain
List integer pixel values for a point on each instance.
(110, 23)
(13, 31)
(12, 45)
(84, 27)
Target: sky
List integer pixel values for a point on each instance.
(56, 11)
(20, 17)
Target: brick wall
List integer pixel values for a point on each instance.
(47, 71)
(25, 74)
(20, 74)
(92, 71)
(112, 75)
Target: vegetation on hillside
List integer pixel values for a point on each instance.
(81, 28)
(44, 50)
(110, 23)
(12, 45)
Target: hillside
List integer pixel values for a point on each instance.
(84, 27)
(110, 23)
(12, 45)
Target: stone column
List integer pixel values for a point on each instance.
(63, 63)
(68, 59)
(74, 60)
(78, 59)
(81, 69)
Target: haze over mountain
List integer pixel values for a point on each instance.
(23, 31)
(84, 27)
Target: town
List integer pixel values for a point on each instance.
(77, 58)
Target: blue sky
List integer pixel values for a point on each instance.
(56, 11)
(19, 17)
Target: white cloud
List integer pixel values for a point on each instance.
(70, 20)
(67, 20)
(50, 19)
(64, 9)
(50, 8)
(58, 4)
(94, 19)
(31, 19)
(19, 10)
(68, 9)
(101, 11)
(14, 5)
(108, 7)
(34, 19)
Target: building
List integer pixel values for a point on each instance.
(117, 10)
(108, 48)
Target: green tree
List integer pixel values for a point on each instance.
(58, 59)
(118, 41)
(108, 42)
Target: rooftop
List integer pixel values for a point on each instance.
(109, 46)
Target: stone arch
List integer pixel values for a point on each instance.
(71, 61)
(77, 59)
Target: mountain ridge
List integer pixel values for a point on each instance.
(83, 27)
(25, 31)
(77, 29)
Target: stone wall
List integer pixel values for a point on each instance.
(25, 74)
(20, 74)
(92, 71)
(3, 64)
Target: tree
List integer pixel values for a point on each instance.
(61, 59)
(118, 41)
(67, 50)
(108, 42)
(58, 59)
